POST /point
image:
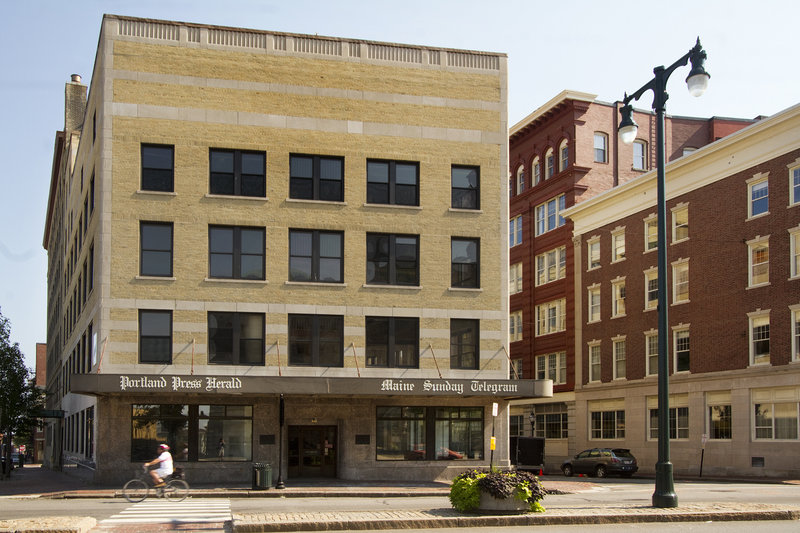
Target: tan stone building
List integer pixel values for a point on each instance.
(279, 248)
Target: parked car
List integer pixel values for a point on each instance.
(601, 462)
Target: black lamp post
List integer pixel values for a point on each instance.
(697, 81)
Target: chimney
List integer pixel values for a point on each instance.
(74, 103)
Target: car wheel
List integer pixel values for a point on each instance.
(600, 471)
(567, 470)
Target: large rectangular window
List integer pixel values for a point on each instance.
(515, 326)
(193, 432)
(400, 434)
(392, 182)
(392, 342)
(316, 340)
(458, 433)
(235, 338)
(678, 423)
(316, 256)
(155, 337)
(776, 421)
(720, 422)
(551, 421)
(758, 191)
(465, 183)
(464, 344)
(433, 433)
(548, 214)
(155, 240)
(392, 259)
(551, 265)
(759, 339)
(551, 317)
(465, 263)
(236, 252)
(515, 278)
(158, 168)
(607, 425)
(237, 173)
(316, 177)
(552, 366)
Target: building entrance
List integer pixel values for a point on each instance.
(312, 451)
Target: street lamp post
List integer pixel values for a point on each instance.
(697, 82)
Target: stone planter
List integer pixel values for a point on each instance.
(491, 505)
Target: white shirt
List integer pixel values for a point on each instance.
(165, 463)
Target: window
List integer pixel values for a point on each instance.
(552, 421)
(464, 344)
(236, 252)
(720, 422)
(157, 168)
(607, 425)
(651, 289)
(515, 326)
(651, 353)
(392, 342)
(235, 338)
(392, 259)
(594, 362)
(515, 369)
(552, 366)
(650, 233)
(401, 433)
(465, 263)
(759, 261)
(618, 245)
(238, 173)
(515, 231)
(156, 249)
(680, 223)
(681, 344)
(155, 337)
(794, 252)
(515, 278)
(392, 182)
(759, 338)
(316, 256)
(563, 155)
(548, 215)
(550, 317)
(593, 300)
(678, 423)
(776, 421)
(593, 255)
(316, 177)
(600, 147)
(618, 293)
(550, 161)
(465, 182)
(794, 184)
(193, 432)
(758, 191)
(639, 155)
(551, 265)
(795, 333)
(520, 179)
(680, 282)
(316, 340)
(537, 170)
(620, 351)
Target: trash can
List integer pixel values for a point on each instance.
(262, 476)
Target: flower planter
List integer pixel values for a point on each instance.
(491, 505)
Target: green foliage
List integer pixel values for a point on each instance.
(465, 492)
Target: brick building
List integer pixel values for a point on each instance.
(280, 248)
(565, 153)
(733, 229)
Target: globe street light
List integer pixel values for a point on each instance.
(697, 82)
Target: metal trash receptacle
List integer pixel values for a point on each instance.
(262, 476)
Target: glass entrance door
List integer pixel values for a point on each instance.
(312, 451)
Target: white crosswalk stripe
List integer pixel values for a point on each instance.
(160, 511)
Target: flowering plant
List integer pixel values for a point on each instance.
(465, 492)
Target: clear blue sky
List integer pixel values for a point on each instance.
(603, 48)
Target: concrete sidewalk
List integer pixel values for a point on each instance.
(35, 482)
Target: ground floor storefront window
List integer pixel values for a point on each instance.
(429, 433)
(193, 432)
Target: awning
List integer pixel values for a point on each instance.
(107, 384)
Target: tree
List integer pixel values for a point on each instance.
(19, 398)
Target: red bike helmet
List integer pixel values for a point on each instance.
(163, 447)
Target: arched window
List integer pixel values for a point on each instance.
(520, 179)
(536, 167)
(550, 161)
(563, 156)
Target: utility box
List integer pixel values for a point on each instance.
(262, 476)
(527, 453)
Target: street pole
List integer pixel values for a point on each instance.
(664, 495)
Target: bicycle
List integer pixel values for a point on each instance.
(175, 489)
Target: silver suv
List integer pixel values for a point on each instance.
(601, 462)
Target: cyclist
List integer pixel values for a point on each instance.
(164, 461)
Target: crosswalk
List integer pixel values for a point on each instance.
(161, 511)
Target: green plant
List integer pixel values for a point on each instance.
(465, 492)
